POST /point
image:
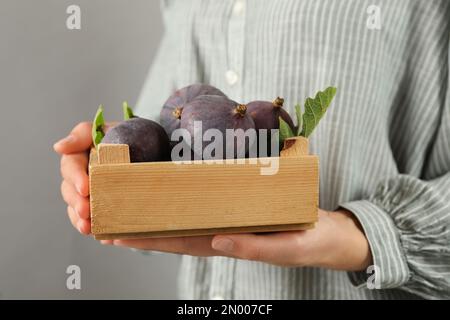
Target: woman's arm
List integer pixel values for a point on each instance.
(407, 223)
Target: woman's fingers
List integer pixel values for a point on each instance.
(79, 204)
(74, 171)
(73, 217)
(107, 242)
(74, 163)
(275, 248)
(83, 226)
(195, 246)
(79, 140)
(281, 248)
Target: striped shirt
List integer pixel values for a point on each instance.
(384, 144)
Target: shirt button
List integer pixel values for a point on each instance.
(231, 77)
(239, 8)
(217, 297)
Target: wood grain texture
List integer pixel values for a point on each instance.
(113, 153)
(161, 199)
(294, 147)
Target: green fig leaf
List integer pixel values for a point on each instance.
(315, 109)
(97, 127)
(285, 131)
(298, 113)
(127, 112)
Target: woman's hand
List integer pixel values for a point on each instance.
(74, 151)
(337, 242)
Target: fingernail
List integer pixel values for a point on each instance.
(78, 187)
(77, 211)
(224, 244)
(117, 243)
(67, 139)
(79, 226)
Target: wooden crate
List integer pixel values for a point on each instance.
(161, 199)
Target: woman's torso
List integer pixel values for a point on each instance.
(261, 49)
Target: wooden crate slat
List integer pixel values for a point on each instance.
(204, 232)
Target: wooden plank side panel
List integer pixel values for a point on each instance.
(157, 197)
(204, 232)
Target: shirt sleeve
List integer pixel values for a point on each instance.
(407, 218)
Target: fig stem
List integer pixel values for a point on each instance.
(241, 109)
(177, 112)
(278, 102)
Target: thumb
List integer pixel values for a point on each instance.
(79, 140)
(243, 246)
(279, 248)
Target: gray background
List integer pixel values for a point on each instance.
(50, 79)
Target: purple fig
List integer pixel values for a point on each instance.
(220, 113)
(171, 112)
(147, 140)
(267, 116)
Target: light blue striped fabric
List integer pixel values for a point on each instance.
(384, 145)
